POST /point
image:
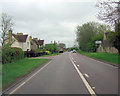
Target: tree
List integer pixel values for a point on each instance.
(116, 39)
(51, 47)
(5, 25)
(88, 33)
(62, 45)
(110, 13)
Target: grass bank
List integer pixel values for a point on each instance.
(16, 69)
(109, 57)
(50, 54)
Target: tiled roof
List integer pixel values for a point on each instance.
(40, 42)
(35, 41)
(21, 38)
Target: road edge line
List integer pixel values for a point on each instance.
(14, 90)
(83, 79)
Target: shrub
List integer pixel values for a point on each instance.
(48, 52)
(10, 54)
(30, 54)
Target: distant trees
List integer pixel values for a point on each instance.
(62, 45)
(110, 13)
(51, 47)
(5, 25)
(88, 33)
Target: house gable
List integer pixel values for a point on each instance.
(21, 41)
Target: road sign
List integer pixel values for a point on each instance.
(98, 42)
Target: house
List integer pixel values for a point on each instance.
(23, 41)
(19, 40)
(35, 43)
(41, 43)
(106, 46)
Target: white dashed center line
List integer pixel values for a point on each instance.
(78, 65)
(90, 89)
(86, 75)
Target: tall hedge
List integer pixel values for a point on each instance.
(10, 54)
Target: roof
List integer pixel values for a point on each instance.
(20, 38)
(40, 42)
(35, 41)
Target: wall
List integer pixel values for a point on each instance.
(22, 45)
(107, 49)
(34, 47)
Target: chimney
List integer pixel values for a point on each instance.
(30, 38)
(35, 39)
(105, 35)
(10, 36)
(20, 33)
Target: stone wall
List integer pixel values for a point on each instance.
(107, 49)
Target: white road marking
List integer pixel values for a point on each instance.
(78, 65)
(86, 75)
(83, 79)
(93, 87)
(13, 91)
(17, 88)
(74, 61)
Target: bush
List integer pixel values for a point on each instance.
(48, 52)
(30, 54)
(10, 54)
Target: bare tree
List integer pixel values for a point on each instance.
(109, 11)
(5, 25)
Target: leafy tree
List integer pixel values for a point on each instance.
(116, 40)
(88, 33)
(73, 48)
(51, 47)
(62, 45)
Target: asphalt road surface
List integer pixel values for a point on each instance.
(70, 73)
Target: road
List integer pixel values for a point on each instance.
(70, 73)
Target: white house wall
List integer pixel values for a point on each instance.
(28, 47)
(15, 43)
(23, 45)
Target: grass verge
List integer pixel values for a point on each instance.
(16, 69)
(49, 55)
(109, 57)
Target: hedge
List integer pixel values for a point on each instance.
(35, 54)
(10, 54)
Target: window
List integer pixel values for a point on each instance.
(28, 44)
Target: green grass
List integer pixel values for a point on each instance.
(49, 55)
(109, 57)
(16, 69)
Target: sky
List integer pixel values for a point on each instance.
(50, 19)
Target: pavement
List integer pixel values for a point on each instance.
(70, 73)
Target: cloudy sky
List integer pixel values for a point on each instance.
(50, 19)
